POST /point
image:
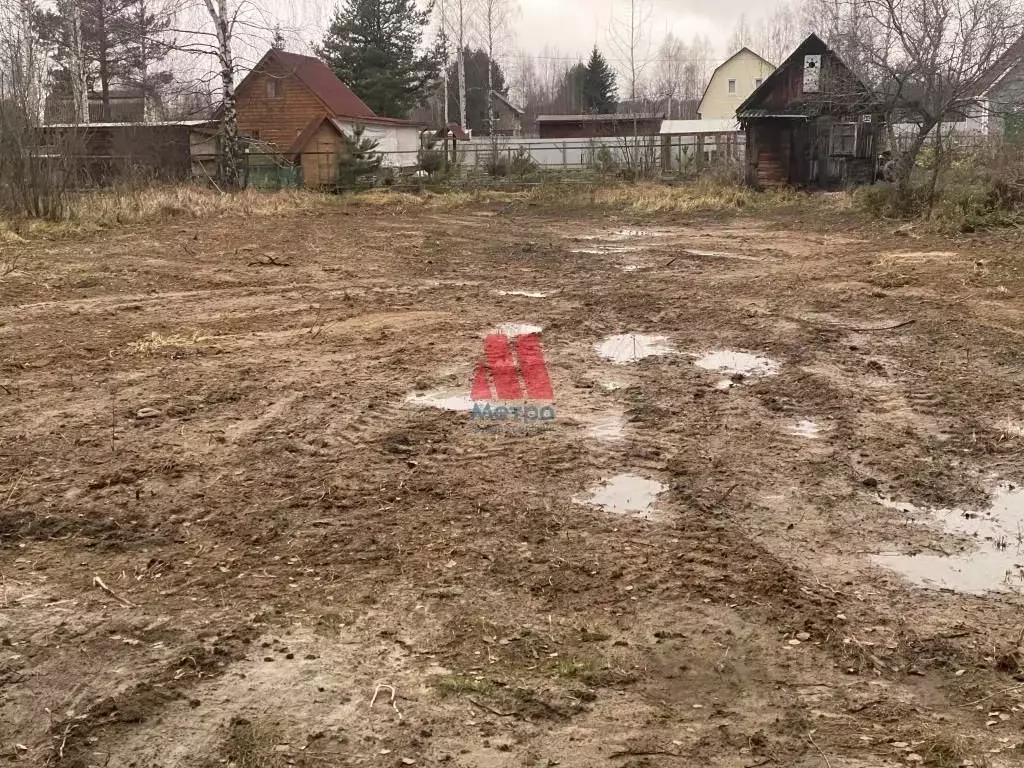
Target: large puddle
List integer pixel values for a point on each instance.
(626, 494)
(996, 563)
(630, 347)
(446, 401)
(732, 362)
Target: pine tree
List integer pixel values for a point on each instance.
(359, 161)
(598, 85)
(374, 47)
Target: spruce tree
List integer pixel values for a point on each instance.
(598, 85)
(375, 47)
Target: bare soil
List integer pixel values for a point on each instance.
(226, 538)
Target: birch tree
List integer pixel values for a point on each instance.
(630, 41)
(495, 15)
(458, 22)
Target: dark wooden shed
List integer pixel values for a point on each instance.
(811, 123)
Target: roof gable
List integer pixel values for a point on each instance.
(317, 77)
(991, 77)
(725, 63)
(811, 45)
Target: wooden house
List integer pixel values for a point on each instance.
(295, 106)
(812, 122)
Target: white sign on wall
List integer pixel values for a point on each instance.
(812, 73)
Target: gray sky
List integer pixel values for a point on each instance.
(571, 27)
(574, 26)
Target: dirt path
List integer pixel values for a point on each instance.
(234, 528)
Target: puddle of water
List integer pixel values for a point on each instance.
(611, 386)
(625, 494)
(804, 428)
(527, 294)
(608, 249)
(997, 563)
(630, 347)
(609, 427)
(438, 399)
(724, 384)
(517, 329)
(730, 361)
(629, 267)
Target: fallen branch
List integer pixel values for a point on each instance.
(1011, 689)
(64, 741)
(492, 710)
(820, 751)
(643, 753)
(376, 692)
(883, 328)
(97, 581)
(269, 261)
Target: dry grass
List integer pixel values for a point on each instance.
(646, 197)
(157, 343)
(95, 211)
(250, 744)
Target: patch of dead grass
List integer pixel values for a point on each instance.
(250, 744)
(100, 210)
(157, 343)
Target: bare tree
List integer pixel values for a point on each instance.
(924, 58)
(773, 35)
(495, 15)
(76, 57)
(458, 21)
(630, 40)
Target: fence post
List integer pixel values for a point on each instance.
(565, 154)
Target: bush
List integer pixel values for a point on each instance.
(977, 190)
(522, 163)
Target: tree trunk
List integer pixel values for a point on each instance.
(937, 161)
(462, 88)
(231, 148)
(905, 162)
(79, 87)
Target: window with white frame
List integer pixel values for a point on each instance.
(732, 86)
(757, 82)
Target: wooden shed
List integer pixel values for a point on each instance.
(811, 123)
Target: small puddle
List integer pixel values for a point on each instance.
(517, 329)
(629, 267)
(630, 347)
(730, 361)
(527, 294)
(997, 562)
(804, 428)
(438, 399)
(608, 427)
(626, 494)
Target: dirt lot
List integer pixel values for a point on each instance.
(229, 536)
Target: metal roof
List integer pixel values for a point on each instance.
(163, 123)
(717, 125)
(623, 117)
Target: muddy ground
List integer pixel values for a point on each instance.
(227, 537)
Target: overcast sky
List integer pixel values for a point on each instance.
(574, 26)
(570, 27)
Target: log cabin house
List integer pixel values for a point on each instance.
(811, 123)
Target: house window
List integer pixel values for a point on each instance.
(273, 87)
(732, 86)
(843, 139)
(757, 82)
